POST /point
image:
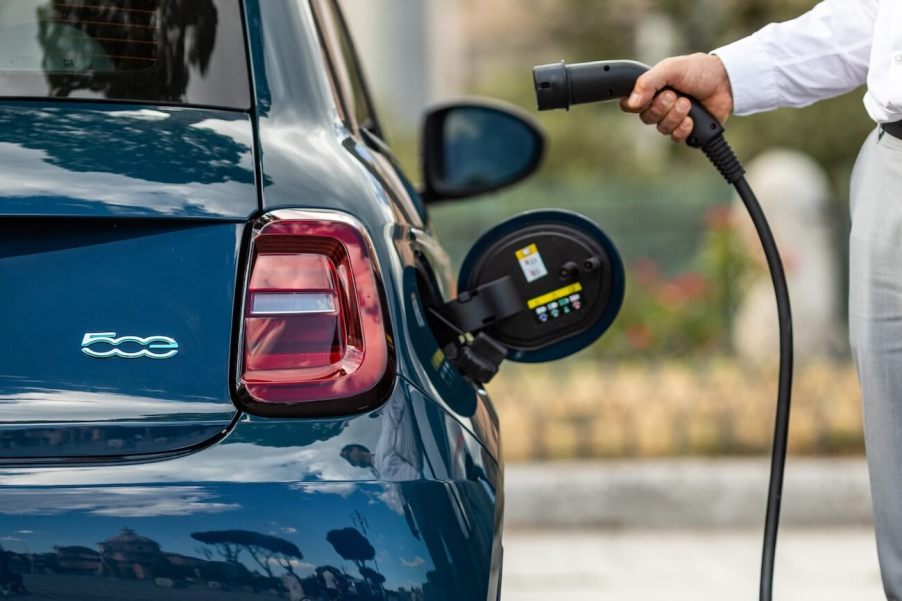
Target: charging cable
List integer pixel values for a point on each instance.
(559, 86)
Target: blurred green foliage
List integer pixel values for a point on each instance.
(690, 312)
(685, 264)
(645, 217)
(830, 131)
(597, 141)
(652, 196)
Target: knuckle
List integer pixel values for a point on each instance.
(644, 83)
(658, 111)
(673, 120)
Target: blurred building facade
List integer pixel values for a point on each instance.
(413, 53)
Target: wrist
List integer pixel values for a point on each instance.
(724, 82)
(751, 75)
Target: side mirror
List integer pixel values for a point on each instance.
(473, 148)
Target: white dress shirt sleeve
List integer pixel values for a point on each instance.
(821, 54)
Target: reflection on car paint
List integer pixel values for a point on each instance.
(159, 162)
(102, 440)
(239, 526)
(414, 438)
(367, 541)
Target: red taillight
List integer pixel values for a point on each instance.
(315, 338)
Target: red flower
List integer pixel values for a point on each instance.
(719, 217)
(645, 271)
(639, 336)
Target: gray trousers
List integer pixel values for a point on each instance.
(875, 323)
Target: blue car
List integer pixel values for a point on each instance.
(223, 373)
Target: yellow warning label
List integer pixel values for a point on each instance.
(438, 357)
(528, 251)
(554, 295)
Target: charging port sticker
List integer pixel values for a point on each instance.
(531, 263)
(557, 303)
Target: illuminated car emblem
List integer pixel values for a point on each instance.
(152, 347)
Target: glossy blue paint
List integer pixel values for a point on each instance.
(70, 159)
(425, 498)
(132, 277)
(156, 445)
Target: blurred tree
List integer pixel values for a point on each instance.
(352, 546)
(586, 33)
(264, 549)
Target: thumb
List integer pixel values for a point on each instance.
(648, 84)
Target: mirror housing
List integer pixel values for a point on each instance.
(476, 147)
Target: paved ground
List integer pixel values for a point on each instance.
(814, 565)
(687, 494)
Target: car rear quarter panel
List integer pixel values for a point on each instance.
(309, 159)
(424, 504)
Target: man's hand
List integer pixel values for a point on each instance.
(700, 75)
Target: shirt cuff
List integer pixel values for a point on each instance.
(751, 73)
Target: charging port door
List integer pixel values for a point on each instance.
(560, 277)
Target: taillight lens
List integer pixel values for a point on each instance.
(315, 336)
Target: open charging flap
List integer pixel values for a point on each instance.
(537, 287)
